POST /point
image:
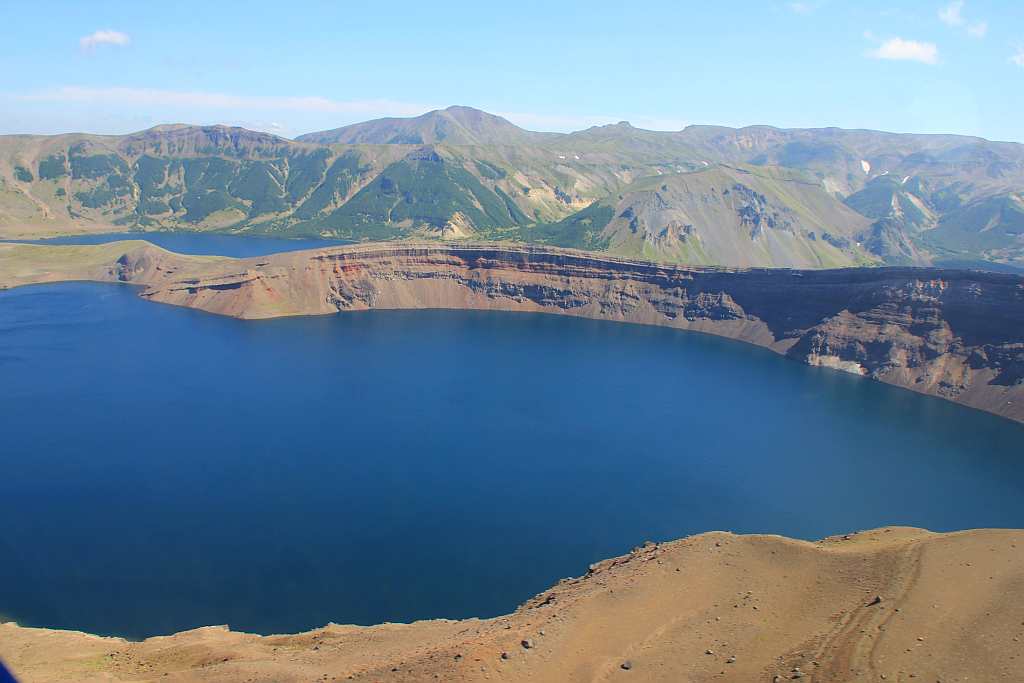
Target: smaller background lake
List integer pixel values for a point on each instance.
(200, 243)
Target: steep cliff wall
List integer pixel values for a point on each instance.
(950, 333)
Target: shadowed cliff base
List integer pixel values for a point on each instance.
(954, 334)
(895, 604)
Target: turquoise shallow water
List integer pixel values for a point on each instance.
(164, 468)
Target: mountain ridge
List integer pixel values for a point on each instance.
(692, 128)
(455, 125)
(929, 198)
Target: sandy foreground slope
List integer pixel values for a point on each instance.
(895, 604)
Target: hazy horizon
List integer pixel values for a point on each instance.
(539, 130)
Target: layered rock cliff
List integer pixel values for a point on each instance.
(950, 333)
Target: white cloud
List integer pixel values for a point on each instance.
(952, 14)
(906, 50)
(215, 100)
(105, 37)
(555, 122)
(282, 114)
(804, 6)
(560, 123)
(1018, 58)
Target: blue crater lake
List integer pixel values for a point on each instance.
(164, 469)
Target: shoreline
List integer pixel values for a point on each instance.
(848, 607)
(949, 333)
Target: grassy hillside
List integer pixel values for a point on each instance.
(706, 194)
(728, 215)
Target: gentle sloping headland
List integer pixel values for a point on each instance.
(895, 604)
(956, 334)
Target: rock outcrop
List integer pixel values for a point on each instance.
(956, 334)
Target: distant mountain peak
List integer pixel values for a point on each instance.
(215, 128)
(454, 125)
(177, 138)
(464, 109)
(621, 125)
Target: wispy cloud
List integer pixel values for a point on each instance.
(272, 112)
(978, 29)
(899, 49)
(801, 7)
(952, 14)
(1018, 57)
(219, 100)
(555, 122)
(104, 37)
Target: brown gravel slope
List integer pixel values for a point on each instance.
(714, 607)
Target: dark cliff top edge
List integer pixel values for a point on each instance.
(526, 253)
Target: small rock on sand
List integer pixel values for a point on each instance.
(527, 643)
(627, 665)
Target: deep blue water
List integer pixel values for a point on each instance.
(200, 243)
(163, 468)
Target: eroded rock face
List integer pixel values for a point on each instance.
(950, 333)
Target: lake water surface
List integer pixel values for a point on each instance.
(163, 468)
(200, 243)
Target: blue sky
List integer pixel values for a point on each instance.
(289, 68)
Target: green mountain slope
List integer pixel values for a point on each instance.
(992, 228)
(425, 193)
(179, 177)
(756, 195)
(217, 178)
(727, 215)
